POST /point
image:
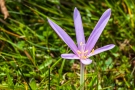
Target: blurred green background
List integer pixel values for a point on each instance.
(30, 49)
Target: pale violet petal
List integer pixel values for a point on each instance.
(102, 49)
(98, 30)
(86, 61)
(78, 28)
(64, 36)
(69, 56)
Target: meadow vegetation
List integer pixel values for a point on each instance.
(30, 50)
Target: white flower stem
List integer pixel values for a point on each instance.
(82, 76)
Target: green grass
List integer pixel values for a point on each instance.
(30, 50)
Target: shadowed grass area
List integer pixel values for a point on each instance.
(30, 50)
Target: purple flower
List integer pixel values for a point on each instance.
(83, 50)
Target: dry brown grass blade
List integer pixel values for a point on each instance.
(30, 58)
(4, 9)
(13, 34)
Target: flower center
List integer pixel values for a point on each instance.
(82, 53)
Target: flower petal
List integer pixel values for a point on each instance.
(102, 49)
(98, 30)
(69, 56)
(64, 36)
(78, 28)
(86, 61)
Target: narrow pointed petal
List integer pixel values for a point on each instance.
(78, 28)
(64, 36)
(98, 30)
(86, 61)
(102, 49)
(69, 56)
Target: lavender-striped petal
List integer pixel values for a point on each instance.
(78, 28)
(64, 36)
(102, 49)
(86, 61)
(69, 56)
(98, 30)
